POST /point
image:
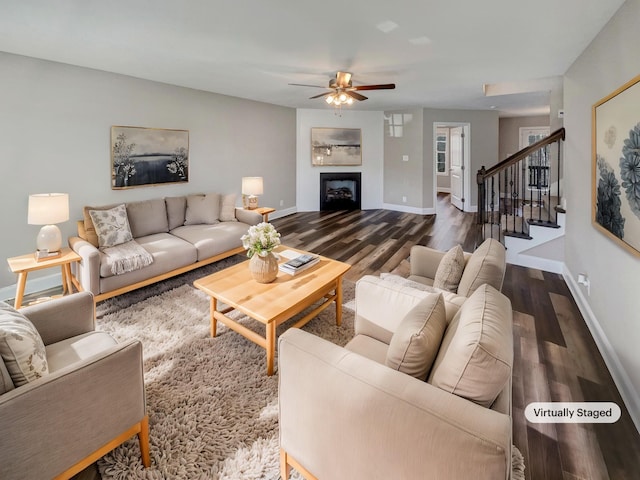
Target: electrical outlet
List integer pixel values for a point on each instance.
(583, 279)
(281, 203)
(404, 199)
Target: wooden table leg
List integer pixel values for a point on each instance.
(214, 322)
(271, 346)
(339, 301)
(20, 286)
(67, 285)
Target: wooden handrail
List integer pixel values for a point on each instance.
(516, 157)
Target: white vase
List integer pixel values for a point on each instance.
(264, 269)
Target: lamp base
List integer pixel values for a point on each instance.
(253, 202)
(49, 239)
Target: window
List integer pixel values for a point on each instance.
(442, 151)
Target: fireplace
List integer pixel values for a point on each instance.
(340, 191)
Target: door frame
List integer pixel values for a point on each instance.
(466, 177)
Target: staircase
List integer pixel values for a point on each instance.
(519, 204)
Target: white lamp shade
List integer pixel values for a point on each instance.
(48, 208)
(252, 186)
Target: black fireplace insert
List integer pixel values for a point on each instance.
(340, 191)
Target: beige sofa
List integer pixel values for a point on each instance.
(180, 233)
(345, 413)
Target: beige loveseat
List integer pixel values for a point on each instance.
(347, 413)
(181, 234)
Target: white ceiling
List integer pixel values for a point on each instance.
(439, 55)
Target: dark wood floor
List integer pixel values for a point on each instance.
(556, 358)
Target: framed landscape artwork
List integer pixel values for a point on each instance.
(148, 156)
(616, 165)
(336, 146)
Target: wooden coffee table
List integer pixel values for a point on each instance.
(273, 303)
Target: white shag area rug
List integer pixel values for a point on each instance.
(213, 411)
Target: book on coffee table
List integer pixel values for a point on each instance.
(299, 263)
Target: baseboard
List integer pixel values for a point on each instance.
(443, 190)
(408, 209)
(33, 286)
(619, 374)
(283, 213)
(531, 261)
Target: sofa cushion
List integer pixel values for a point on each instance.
(176, 209)
(78, 348)
(212, 240)
(202, 209)
(228, 208)
(147, 217)
(112, 226)
(476, 354)
(407, 282)
(168, 252)
(416, 341)
(21, 347)
(486, 265)
(450, 270)
(89, 229)
(368, 347)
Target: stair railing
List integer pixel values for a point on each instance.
(503, 191)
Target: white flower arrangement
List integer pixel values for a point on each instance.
(260, 239)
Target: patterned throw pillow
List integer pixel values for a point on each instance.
(21, 347)
(112, 226)
(415, 343)
(450, 270)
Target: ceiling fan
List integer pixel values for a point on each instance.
(342, 91)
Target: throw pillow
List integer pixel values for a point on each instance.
(450, 270)
(21, 347)
(415, 343)
(176, 208)
(202, 209)
(89, 229)
(147, 217)
(228, 208)
(112, 226)
(476, 354)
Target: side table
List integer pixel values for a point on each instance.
(264, 211)
(24, 264)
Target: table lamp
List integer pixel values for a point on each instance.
(251, 186)
(48, 209)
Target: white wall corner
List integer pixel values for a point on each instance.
(619, 374)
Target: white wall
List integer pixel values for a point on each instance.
(613, 306)
(55, 124)
(308, 176)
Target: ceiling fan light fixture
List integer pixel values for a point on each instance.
(329, 99)
(349, 101)
(343, 97)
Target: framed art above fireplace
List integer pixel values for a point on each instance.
(336, 146)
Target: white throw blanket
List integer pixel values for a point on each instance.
(127, 257)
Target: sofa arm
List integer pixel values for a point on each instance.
(248, 216)
(345, 416)
(63, 317)
(94, 401)
(88, 269)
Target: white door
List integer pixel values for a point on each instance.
(456, 158)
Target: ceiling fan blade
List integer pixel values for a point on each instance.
(384, 86)
(321, 95)
(305, 85)
(357, 96)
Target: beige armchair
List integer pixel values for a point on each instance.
(344, 413)
(487, 264)
(91, 401)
